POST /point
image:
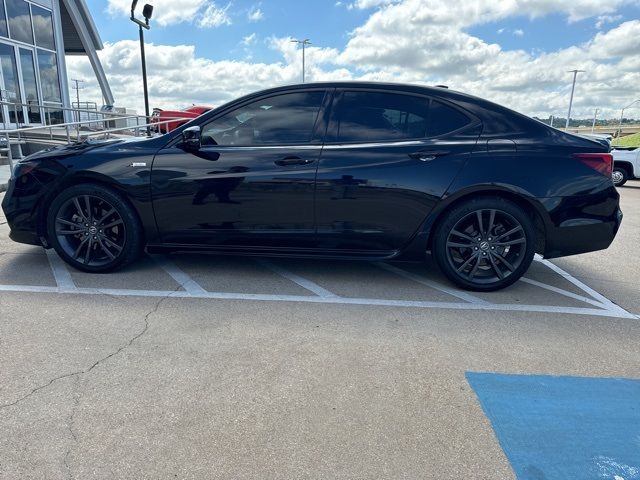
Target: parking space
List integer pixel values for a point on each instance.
(202, 366)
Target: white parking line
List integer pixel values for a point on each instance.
(60, 273)
(324, 300)
(303, 282)
(566, 293)
(429, 283)
(608, 304)
(185, 281)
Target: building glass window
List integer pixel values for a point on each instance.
(43, 27)
(48, 65)
(3, 21)
(30, 85)
(20, 27)
(11, 91)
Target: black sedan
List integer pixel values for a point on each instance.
(340, 170)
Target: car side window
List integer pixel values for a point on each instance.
(445, 119)
(279, 120)
(372, 116)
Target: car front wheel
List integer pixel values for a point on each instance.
(485, 244)
(94, 229)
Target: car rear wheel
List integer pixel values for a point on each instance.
(619, 176)
(485, 244)
(94, 229)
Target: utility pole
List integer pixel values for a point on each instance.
(77, 88)
(573, 88)
(595, 116)
(622, 115)
(304, 43)
(552, 119)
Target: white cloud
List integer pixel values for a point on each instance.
(214, 16)
(406, 42)
(249, 39)
(255, 14)
(518, 32)
(603, 20)
(170, 12)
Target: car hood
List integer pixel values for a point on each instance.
(78, 148)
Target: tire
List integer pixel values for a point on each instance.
(485, 257)
(619, 176)
(74, 223)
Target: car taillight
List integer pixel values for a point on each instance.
(600, 162)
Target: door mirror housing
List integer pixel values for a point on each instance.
(191, 137)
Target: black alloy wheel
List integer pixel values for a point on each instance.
(94, 229)
(485, 244)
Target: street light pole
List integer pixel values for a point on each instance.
(595, 116)
(622, 115)
(304, 43)
(573, 88)
(147, 11)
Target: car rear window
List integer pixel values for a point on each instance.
(374, 116)
(445, 119)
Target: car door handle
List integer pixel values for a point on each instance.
(289, 161)
(428, 155)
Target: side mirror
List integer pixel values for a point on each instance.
(191, 137)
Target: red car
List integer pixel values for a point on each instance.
(180, 116)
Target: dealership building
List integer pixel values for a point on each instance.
(35, 36)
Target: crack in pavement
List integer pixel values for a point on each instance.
(98, 362)
(70, 421)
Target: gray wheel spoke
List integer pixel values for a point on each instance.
(104, 248)
(112, 224)
(468, 262)
(87, 255)
(87, 203)
(462, 235)
(76, 203)
(106, 215)
(510, 232)
(68, 232)
(495, 267)
(504, 261)
(492, 218)
(459, 245)
(111, 244)
(474, 270)
(479, 217)
(511, 242)
(66, 222)
(82, 244)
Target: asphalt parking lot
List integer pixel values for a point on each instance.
(194, 366)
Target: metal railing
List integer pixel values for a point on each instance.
(136, 126)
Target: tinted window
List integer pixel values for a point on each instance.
(369, 116)
(445, 119)
(19, 21)
(43, 26)
(283, 119)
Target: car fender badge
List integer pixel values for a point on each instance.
(138, 164)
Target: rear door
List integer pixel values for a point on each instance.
(388, 158)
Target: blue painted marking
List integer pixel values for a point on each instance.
(564, 428)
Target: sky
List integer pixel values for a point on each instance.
(514, 52)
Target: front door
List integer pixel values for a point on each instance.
(19, 86)
(388, 158)
(251, 184)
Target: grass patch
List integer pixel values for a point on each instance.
(628, 141)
